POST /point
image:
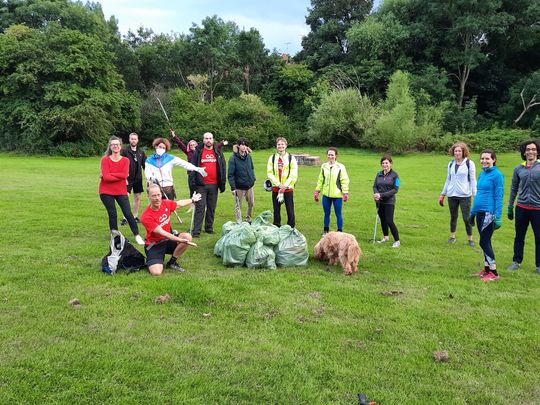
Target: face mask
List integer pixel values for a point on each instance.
(160, 151)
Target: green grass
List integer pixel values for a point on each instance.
(297, 335)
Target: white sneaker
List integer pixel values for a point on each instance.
(139, 240)
(382, 240)
(396, 244)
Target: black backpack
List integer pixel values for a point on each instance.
(122, 254)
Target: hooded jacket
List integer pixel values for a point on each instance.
(490, 191)
(241, 172)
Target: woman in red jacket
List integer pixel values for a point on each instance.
(112, 187)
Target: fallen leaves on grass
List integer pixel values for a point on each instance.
(207, 315)
(391, 293)
(315, 295)
(162, 299)
(440, 356)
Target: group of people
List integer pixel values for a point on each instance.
(122, 173)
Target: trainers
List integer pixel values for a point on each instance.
(175, 267)
(137, 220)
(323, 234)
(489, 277)
(470, 243)
(513, 267)
(538, 270)
(139, 240)
(451, 241)
(482, 273)
(123, 222)
(396, 244)
(382, 240)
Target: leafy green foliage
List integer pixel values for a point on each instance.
(498, 139)
(342, 118)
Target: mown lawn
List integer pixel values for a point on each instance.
(296, 335)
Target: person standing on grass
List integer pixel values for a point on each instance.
(112, 186)
(209, 158)
(137, 158)
(282, 171)
(189, 149)
(487, 209)
(333, 183)
(526, 186)
(156, 219)
(460, 186)
(160, 165)
(385, 187)
(241, 174)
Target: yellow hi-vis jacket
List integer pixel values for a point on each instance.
(289, 173)
(333, 180)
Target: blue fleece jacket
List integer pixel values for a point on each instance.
(490, 191)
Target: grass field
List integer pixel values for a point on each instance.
(296, 335)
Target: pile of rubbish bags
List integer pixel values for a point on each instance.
(261, 244)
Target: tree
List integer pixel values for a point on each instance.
(329, 20)
(252, 56)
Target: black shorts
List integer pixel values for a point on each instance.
(155, 254)
(136, 186)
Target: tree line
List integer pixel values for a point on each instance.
(409, 75)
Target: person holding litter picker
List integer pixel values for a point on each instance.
(333, 183)
(385, 187)
(241, 174)
(156, 219)
(159, 167)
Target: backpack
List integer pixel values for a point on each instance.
(122, 254)
(467, 162)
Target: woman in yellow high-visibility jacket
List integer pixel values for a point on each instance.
(333, 183)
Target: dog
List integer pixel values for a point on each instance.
(342, 247)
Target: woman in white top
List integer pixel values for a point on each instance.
(460, 186)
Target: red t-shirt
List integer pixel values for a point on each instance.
(152, 219)
(280, 172)
(209, 162)
(114, 176)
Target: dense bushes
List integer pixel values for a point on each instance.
(498, 139)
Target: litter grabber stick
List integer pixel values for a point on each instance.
(164, 113)
(156, 181)
(192, 215)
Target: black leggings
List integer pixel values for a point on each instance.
(386, 214)
(123, 202)
(453, 205)
(486, 232)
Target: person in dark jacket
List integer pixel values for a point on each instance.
(526, 187)
(241, 176)
(385, 187)
(210, 158)
(137, 159)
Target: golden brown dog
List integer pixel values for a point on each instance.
(342, 247)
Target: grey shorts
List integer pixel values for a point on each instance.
(155, 254)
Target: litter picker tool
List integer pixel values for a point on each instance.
(376, 223)
(156, 181)
(164, 113)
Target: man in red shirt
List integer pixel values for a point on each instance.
(156, 218)
(209, 157)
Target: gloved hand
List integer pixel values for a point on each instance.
(201, 171)
(471, 220)
(441, 200)
(280, 197)
(498, 223)
(316, 196)
(196, 197)
(510, 212)
(233, 192)
(172, 132)
(345, 197)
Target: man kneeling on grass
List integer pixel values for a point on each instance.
(156, 218)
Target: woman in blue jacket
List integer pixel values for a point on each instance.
(487, 208)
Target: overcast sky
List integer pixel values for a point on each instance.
(282, 23)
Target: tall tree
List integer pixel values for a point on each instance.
(329, 20)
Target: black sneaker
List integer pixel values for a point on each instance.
(175, 267)
(137, 220)
(210, 232)
(123, 222)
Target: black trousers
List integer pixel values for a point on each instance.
(386, 214)
(123, 201)
(523, 218)
(486, 232)
(205, 208)
(454, 203)
(289, 207)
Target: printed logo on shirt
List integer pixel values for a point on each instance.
(163, 220)
(209, 158)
